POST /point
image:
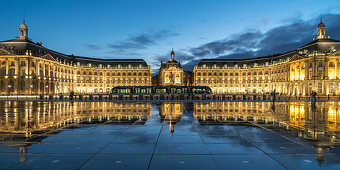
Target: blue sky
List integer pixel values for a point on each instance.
(148, 29)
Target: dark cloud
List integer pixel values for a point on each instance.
(250, 44)
(92, 46)
(141, 41)
(281, 39)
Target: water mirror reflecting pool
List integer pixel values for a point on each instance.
(143, 135)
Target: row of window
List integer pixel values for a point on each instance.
(230, 74)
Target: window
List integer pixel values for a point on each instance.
(320, 88)
(23, 63)
(23, 72)
(12, 63)
(320, 64)
(331, 64)
(331, 88)
(11, 72)
(319, 73)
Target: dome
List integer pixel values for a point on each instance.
(23, 26)
(321, 24)
(172, 53)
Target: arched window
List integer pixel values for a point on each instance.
(3, 71)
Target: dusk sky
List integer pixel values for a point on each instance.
(148, 29)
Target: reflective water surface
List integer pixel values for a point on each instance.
(201, 135)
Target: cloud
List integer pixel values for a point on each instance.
(92, 46)
(281, 39)
(141, 41)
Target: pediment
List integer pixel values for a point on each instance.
(296, 57)
(48, 57)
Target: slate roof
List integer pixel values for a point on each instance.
(20, 46)
(320, 45)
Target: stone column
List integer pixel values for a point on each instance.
(326, 68)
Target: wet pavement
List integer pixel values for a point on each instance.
(164, 136)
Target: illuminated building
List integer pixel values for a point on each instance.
(29, 68)
(313, 67)
(171, 73)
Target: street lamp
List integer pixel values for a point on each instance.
(9, 89)
(31, 88)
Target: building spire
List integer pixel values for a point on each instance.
(172, 55)
(321, 30)
(23, 30)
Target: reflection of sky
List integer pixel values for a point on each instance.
(147, 29)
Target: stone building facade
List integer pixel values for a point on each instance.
(171, 73)
(29, 68)
(313, 67)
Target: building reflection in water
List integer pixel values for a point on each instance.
(318, 123)
(35, 117)
(171, 112)
(306, 121)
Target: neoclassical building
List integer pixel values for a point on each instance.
(313, 67)
(171, 73)
(27, 67)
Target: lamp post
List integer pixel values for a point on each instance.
(31, 88)
(46, 89)
(9, 89)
